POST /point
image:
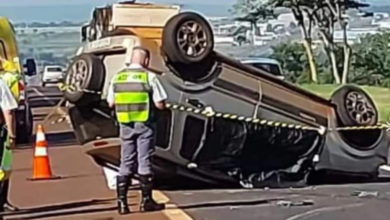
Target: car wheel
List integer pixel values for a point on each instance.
(187, 38)
(84, 80)
(354, 107)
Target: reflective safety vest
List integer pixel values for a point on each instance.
(131, 89)
(12, 81)
(6, 156)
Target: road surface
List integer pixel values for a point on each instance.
(81, 193)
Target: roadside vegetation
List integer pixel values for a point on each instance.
(317, 62)
(370, 62)
(318, 20)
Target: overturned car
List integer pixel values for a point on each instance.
(227, 123)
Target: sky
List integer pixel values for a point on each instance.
(80, 10)
(97, 2)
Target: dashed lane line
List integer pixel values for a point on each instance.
(172, 211)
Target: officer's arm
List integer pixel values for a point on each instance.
(8, 104)
(160, 105)
(159, 94)
(111, 96)
(9, 117)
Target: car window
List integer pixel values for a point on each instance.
(164, 122)
(54, 69)
(268, 67)
(192, 136)
(3, 51)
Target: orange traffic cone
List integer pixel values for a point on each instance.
(41, 166)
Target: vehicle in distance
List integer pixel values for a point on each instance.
(268, 65)
(225, 148)
(52, 74)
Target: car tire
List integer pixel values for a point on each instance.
(351, 101)
(84, 80)
(193, 68)
(354, 107)
(187, 38)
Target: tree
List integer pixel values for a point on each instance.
(292, 59)
(305, 22)
(370, 63)
(252, 11)
(326, 14)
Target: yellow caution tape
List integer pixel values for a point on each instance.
(208, 112)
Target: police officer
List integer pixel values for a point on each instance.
(135, 92)
(7, 138)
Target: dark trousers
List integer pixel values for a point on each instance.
(137, 148)
(4, 186)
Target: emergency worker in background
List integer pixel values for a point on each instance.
(8, 105)
(135, 92)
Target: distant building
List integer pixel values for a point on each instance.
(354, 34)
(41, 30)
(384, 24)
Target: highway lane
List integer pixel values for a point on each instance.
(43, 96)
(82, 192)
(44, 101)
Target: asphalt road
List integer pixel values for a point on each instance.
(81, 193)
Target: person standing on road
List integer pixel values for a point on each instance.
(7, 139)
(135, 92)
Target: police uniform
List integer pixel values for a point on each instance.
(134, 91)
(7, 102)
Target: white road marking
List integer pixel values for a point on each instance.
(315, 212)
(171, 211)
(42, 95)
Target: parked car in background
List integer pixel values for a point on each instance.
(268, 65)
(52, 74)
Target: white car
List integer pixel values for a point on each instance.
(271, 66)
(52, 74)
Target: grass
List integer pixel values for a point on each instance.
(380, 95)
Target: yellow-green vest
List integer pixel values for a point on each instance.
(11, 80)
(132, 101)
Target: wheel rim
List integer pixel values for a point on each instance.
(360, 109)
(77, 76)
(192, 39)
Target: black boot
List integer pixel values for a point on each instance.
(147, 203)
(122, 185)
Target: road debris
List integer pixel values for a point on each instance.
(288, 203)
(365, 194)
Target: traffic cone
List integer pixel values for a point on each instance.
(41, 164)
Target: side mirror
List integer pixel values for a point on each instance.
(84, 30)
(30, 67)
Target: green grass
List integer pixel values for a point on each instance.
(381, 96)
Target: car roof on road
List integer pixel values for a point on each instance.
(54, 66)
(258, 60)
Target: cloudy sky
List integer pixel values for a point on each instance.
(68, 2)
(97, 2)
(79, 10)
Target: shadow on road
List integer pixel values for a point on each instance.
(230, 203)
(64, 139)
(61, 210)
